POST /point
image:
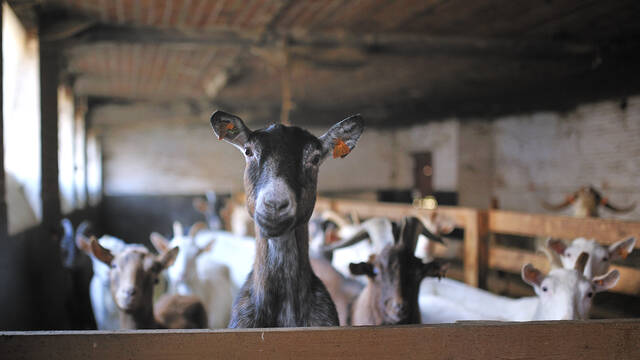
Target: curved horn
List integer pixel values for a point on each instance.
(335, 217)
(581, 262)
(197, 226)
(606, 203)
(553, 257)
(567, 201)
(428, 229)
(355, 218)
(358, 236)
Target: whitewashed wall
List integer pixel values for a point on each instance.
(548, 155)
(158, 150)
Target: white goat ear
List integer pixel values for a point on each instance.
(607, 281)
(159, 242)
(100, 252)
(342, 137)
(622, 248)
(207, 247)
(177, 229)
(230, 128)
(531, 275)
(168, 258)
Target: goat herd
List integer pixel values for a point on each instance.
(313, 269)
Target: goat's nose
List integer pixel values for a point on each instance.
(277, 204)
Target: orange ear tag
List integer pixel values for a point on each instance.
(340, 149)
(623, 253)
(224, 130)
(604, 201)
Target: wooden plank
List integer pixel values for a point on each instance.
(512, 260)
(476, 245)
(606, 231)
(470, 340)
(391, 210)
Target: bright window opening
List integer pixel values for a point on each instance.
(66, 158)
(21, 110)
(80, 156)
(94, 169)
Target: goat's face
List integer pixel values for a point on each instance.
(600, 257)
(395, 275)
(281, 170)
(132, 274)
(566, 294)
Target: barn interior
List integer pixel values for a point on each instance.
(489, 104)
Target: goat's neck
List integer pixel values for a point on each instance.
(282, 268)
(140, 319)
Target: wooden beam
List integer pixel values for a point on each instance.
(49, 80)
(601, 339)
(372, 44)
(606, 231)
(3, 193)
(476, 247)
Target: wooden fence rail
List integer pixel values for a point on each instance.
(595, 339)
(478, 257)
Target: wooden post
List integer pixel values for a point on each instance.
(51, 212)
(3, 196)
(476, 248)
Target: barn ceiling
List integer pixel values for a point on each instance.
(393, 61)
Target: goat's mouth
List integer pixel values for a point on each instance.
(273, 225)
(127, 303)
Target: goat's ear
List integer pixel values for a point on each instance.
(83, 244)
(556, 245)
(622, 248)
(177, 229)
(230, 128)
(362, 268)
(342, 137)
(168, 258)
(159, 242)
(607, 281)
(531, 275)
(200, 205)
(207, 247)
(99, 252)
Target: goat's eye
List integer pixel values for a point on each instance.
(568, 255)
(589, 294)
(315, 160)
(544, 288)
(605, 259)
(113, 266)
(248, 152)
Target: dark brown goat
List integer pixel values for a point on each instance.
(280, 180)
(391, 294)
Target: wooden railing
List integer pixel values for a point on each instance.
(606, 231)
(595, 339)
(473, 221)
(478, 257)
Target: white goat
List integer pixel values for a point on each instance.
(600, 256)
(563, 294)
(195, 274)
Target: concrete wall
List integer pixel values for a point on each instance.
(173, 151)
